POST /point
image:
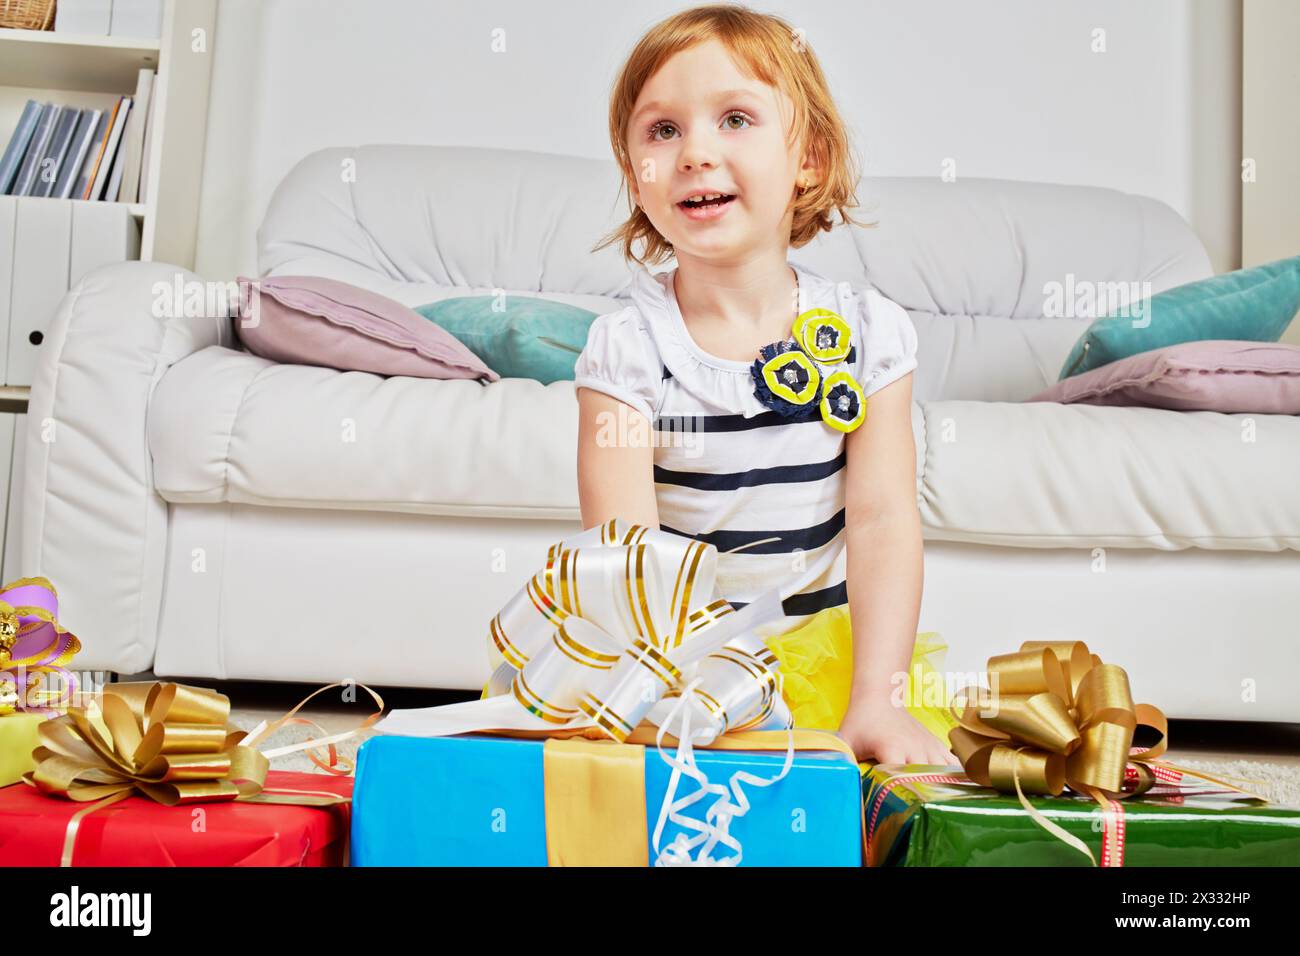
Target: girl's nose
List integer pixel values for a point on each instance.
(687, 165)
(697, 153)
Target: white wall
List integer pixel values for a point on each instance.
(1006, 88)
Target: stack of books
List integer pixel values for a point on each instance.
(67, 153)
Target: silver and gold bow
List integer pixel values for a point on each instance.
(619, 621)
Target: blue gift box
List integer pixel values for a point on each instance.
(478, 800)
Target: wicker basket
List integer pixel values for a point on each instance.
(27, 14)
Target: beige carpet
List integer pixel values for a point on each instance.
(1278, 782)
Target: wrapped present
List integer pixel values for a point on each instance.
(34, 649)
(932, 816)
(17, 741)
(172, 745)
(34, 652)
(623, 637)
(1056, 717)
(480, 800)
(139, 831)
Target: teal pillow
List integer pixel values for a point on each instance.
(528, 338)
(1249, 305)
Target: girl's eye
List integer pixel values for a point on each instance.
(658, 127)
(662, 125)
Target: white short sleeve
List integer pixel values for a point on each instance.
(620, 360)
(888, 341)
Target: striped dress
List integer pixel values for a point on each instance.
(768, 491)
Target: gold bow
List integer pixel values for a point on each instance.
(172, 743)
(1058, 717)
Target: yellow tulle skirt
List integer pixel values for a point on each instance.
(817, 674)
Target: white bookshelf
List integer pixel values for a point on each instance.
(92, 72)
(62, 61)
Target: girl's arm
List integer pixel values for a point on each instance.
(615, 462)
(885, 571)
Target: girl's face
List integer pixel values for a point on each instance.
(700, 126)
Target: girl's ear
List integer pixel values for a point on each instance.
(810, 171)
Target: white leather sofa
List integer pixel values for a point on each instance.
(204, 514)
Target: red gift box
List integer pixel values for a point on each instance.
(140, 832)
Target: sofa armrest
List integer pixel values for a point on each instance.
(91, 521)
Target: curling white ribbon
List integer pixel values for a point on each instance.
(717, 820)
(624, 624)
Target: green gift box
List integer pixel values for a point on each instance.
(916, 816)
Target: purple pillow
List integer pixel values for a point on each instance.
(309, 320)
(1215, 375)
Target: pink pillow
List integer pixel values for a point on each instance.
(1215, 375)
(309, 320)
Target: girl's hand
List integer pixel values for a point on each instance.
(879, 731)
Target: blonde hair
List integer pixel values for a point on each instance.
(775, 54)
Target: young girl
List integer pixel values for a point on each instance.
(732, 152)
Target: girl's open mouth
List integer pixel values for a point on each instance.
(705, 208)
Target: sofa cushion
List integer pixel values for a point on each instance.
(1253, 305)
(1212, 375)
(1043, 475)
(311, 320)
(228, 426)
(225, 425)
(517, 336)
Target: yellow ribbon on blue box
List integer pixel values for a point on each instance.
(497, 800)
(623, 637)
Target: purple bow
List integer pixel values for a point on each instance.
(33, 647)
